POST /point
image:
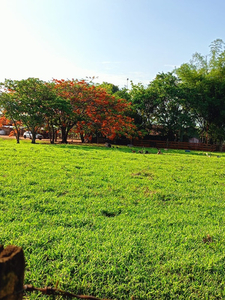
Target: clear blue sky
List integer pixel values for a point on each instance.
(111, 39)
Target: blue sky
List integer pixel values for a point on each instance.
(110, 39)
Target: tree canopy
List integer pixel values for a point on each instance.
(187, 102)
(204, 81)
(66, 104)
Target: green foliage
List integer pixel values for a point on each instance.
(170, 112)
(24, 101)
(143, 106)
(188, 100)
(111, 223)
(161, 104)
(67, 104)
(109, 87)
(204, 82)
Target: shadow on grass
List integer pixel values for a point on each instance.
(139, 150)
(102, 147)
(125, 149)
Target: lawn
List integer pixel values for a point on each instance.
(111, 223)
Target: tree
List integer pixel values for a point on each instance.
(109, 115)
(32, 101)
(75, 97)
(93, 110)
(24, 101)
(53, 108)
(170, 113)
(10, 107)
(109, 87)
(160, 105)
(143, 105)
(204, 79)
(123, 93)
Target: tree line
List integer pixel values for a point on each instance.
(187, 102)
(66, 105)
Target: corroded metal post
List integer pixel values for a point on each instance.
(12, 265)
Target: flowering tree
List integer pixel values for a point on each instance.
(66, 104)
(92, 111)
(3, 120)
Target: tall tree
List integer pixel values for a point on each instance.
(160, 105)
(204, 78)
(143, 105)
(170, 113)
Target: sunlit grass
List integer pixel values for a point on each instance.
(111, 223)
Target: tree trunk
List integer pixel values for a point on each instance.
(12, 265)
(181, 134)
(64, 135)
(96, 132)
(17, 137)
(33, 132)
(17, 133)
(221, 146)
(52, 134)
(82, 137)
(33, 139)
(167, 143)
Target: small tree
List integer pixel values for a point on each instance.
(24, 101)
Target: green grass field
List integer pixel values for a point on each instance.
(111, 223)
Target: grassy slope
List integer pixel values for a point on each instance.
(112, 223)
